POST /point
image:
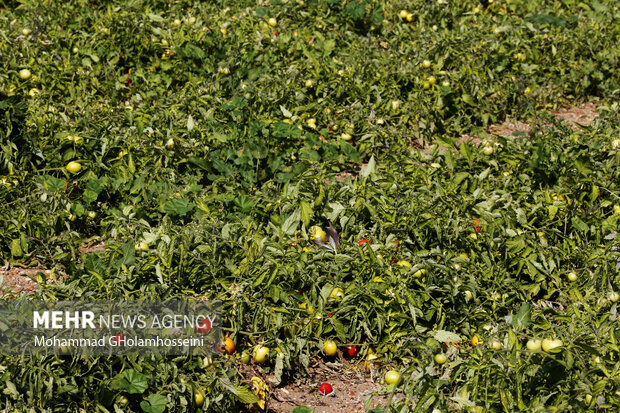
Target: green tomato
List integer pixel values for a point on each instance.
(440, 358)
(392, 377)
(122, 401)
(533, 345)
(551, 346)
(25, 74)
(261, 353)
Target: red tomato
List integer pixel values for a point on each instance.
(326, 389)
(351, 351)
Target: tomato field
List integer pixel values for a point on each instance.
(381, 187)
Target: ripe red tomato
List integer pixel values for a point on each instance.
(351, 351)
(326, 389)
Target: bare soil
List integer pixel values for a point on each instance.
(352, 384)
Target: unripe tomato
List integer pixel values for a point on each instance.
(25, 74)
(74, 167)
(330, 348)
(199, 397)
(305, 306)
(403, 14)
(496, 345)
(244, 358)
(440, 358)
(122, 401)
(533, 344)
(613, 297)
(426, 64)
(261, 353)
(272, 22)
(392, 377)
(488, 150)
(551, 346)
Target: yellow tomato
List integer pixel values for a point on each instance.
(74, 167)
(330, 348)
(337, 294)
(273, 22)
(317, 233)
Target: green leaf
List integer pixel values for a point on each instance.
(190, 123)
(155, 17)
(133, 382)
(278, 370)
(579, 225)
(306, 213)
(129, 255)
(303, 409)
(51, 183)
(350, 151)
(369, 168)
(523, 317)
(155, 403)
(444, 336)
(292, 222)
(178, 207)
(245, 395)
(285, 112)
(336, 209)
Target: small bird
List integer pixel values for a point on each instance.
(324, 239)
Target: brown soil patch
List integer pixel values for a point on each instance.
(352, 387)
(19, 280)
(581, 115)
(92, 246)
